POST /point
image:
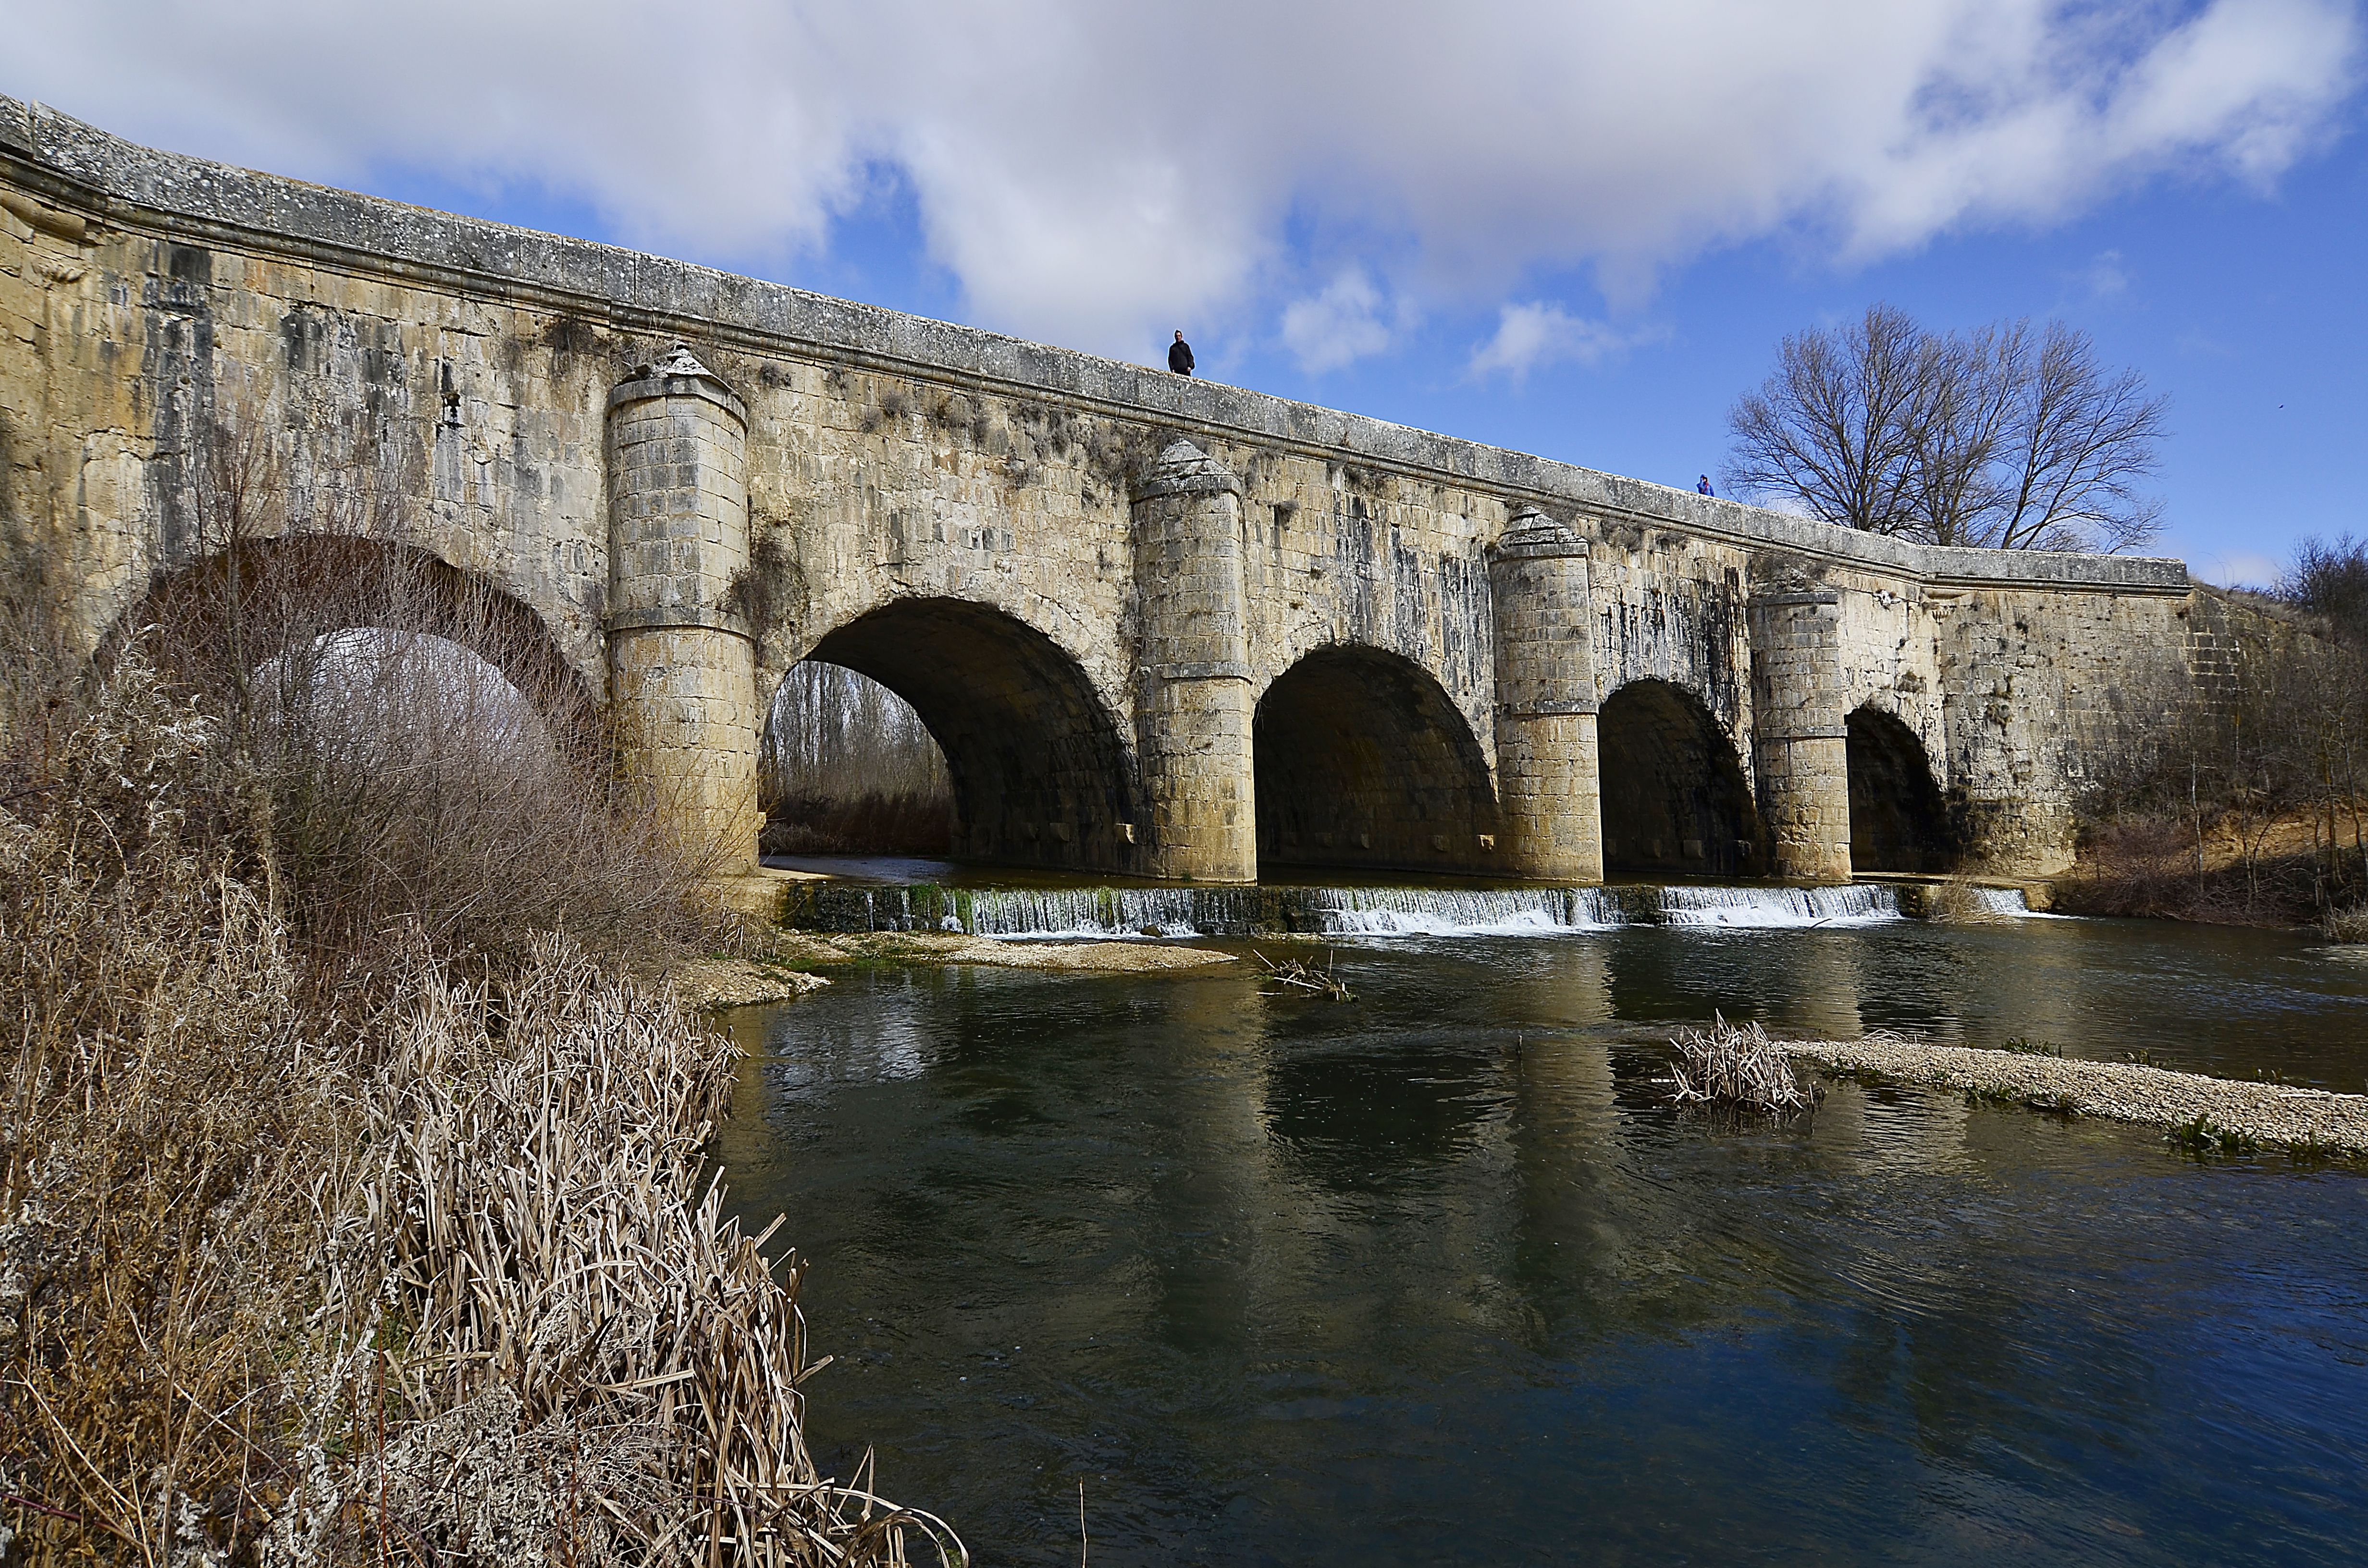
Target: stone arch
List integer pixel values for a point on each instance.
(1673, 791)
(1041, 775)
(1362, 759)
(272, 594)
(1898, 821)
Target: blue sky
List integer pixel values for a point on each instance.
(1578, 229)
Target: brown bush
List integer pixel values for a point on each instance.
(348, 1213)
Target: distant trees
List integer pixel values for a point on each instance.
(2330, 580)
(2009, 435)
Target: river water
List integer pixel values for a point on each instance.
(1439, 1277)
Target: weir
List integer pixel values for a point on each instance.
(1128, 912)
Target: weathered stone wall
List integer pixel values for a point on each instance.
(957, 513)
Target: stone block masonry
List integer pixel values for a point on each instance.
(681, 666)
(1118, 598)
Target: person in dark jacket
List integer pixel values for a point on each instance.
(1180, 355)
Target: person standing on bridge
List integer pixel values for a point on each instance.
(1180, 355)
(1703, 484)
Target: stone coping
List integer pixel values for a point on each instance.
(134, 186)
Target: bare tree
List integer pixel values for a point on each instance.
(2000, 437)
(1830, 429)
(2330, 580)
(1959, 422)
(2082, 439)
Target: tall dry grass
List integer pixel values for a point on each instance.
(352, 1206)
(426, 755)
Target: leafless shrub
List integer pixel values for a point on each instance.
(2236, 796)
(1737, 1068)
(174, 1135)
(2347, 925)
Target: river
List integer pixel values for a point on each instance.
(1439, 1277)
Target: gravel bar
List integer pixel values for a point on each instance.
(2273, 1114)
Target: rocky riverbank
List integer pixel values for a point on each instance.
(2224, 1114)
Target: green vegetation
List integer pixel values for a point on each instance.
(2202, 1136)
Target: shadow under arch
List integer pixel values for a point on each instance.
(1898, 821)
(1041, 776)
(1673, 791)
(1361, 760)
(228, 613)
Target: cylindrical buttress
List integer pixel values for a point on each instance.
(1800, 749)
(1548, 770)
(1192, 695)
(682, 670)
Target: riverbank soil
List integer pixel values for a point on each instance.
(2265, 870)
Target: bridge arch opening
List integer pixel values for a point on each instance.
(1897, 820)
(1674, 798)
(846, 766)
(331, 624)
(1039, 772)
(1361, 760)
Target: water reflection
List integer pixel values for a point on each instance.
(1442, 1276)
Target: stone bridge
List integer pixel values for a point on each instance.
(1159, 626)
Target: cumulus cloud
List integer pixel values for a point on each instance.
(1341, 325)
(1533, 335)
(1091, 174)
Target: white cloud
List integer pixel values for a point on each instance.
(1529, 336)
(2240, 569)
(1093, 174)
(2106, 277)
(1337, 326)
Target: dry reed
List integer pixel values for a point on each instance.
(442, 1281)
(1736, 1067)
(2348, 924)
(348, 1213)
(1291, 977)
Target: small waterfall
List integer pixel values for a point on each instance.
(1430, 911)
(2006, 904)
(1086, 912)
(1859, 903)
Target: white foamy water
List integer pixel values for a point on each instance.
(1778, 908)
(1430, 911)
(1119, 913)
(2006, 904)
